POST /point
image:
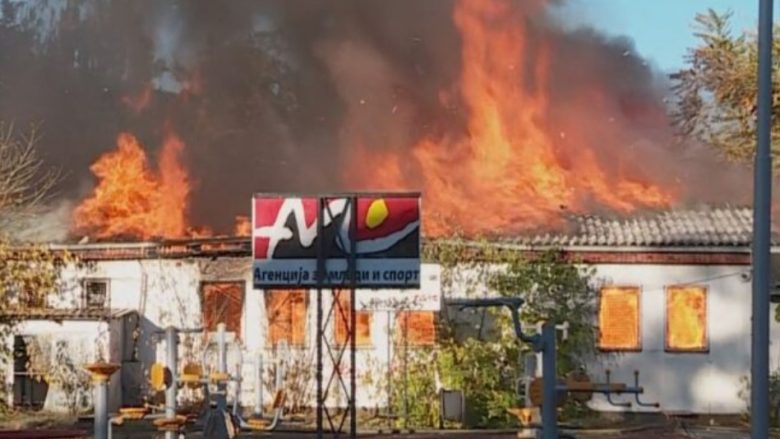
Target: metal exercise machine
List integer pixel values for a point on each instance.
(549, 389)
(258, 421)
(219, 420)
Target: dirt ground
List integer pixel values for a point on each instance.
(663, 430)
(652, 433)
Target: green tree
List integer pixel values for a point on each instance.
(478, 352)
(716, 91)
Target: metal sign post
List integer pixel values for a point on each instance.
(362, 241)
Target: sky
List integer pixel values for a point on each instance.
(661, 30)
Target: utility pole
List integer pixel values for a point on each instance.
(762, 206)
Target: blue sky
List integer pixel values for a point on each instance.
(661, 29)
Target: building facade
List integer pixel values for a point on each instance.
(674, 305)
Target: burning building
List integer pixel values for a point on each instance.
(673, 304)
(511, 125)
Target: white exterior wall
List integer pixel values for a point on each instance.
(688, 382)
(84, 340)
(172, 297)
(695, 382)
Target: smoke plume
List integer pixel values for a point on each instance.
(277, 95)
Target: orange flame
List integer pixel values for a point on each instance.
(140, 101)
(132, 199)
(243, 226)
(508, 173)
(686, 318)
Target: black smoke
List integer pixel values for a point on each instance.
(268, 94)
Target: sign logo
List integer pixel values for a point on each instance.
(384, 235)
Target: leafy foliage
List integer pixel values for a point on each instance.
(717, 90)
(481, 355)
(774, 398)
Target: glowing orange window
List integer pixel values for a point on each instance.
(686, 319)
(418, 327)
(362, 320)
(222, 302)
(286, 313)
(619, 319)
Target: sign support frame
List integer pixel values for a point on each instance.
(328, 311)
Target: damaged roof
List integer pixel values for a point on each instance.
(703, 227)
(718, 227)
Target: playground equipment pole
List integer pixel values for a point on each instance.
(101, 409)
(172, 342)
(762, 205)
(222, 366)
(549, 383)
(101, 373)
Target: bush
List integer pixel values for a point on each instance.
(482, 357)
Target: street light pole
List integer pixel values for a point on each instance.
(762, 205)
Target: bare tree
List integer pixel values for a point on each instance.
(26, 181)
(29, 273)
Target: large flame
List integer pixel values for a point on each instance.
(686, 318)
(133, 199)
(243, 226)
(508, 172)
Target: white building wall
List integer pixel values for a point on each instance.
(167, 292)
(688, 382)
(83, 342)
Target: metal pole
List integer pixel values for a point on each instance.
(353, 318)
(406, 371)
(172, 344)
(390, 409)
(221, 366)
(320, 280)
(101, 409)
(762, 205)
(549, 383)
(259, 386)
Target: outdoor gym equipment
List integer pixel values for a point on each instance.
(214, 425)
(166, 377)
(101, 373)
(163, 377)
(551, 391)
(257, 421)
(219, 421)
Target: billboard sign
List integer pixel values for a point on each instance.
(384, 235)
(425, 298)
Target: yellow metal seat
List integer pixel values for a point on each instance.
(133, 413)
(218, 377)
(526, 415)
(160, 377)
(174, 424)
(257, 424)
(191, 375)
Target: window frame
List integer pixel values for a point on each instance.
(639, 339)
(399, 341)
(304, 344)
(672, 350)
(202, 292)
(85, 292)
(336, 320)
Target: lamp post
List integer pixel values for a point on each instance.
(762, 205)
